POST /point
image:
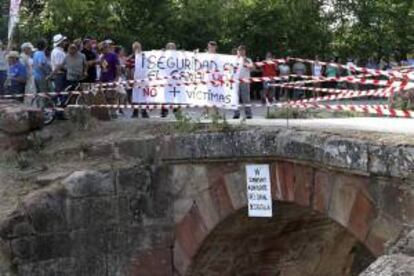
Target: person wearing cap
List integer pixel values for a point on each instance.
(17, 75)
(57, 56)
(26, 58)
(41, 67)
(3, 68)
(244, 88)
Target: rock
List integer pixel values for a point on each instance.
(13, 142)
(79, 116)
(405, 245)
(391, 265)
(18, 119)
(46, 179)
(89, 183)
(46, 209)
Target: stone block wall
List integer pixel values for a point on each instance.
(92, 223)
(155, 219)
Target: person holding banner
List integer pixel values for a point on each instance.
(164, 111)
(244, 88)
(211, 49)
(130, 67)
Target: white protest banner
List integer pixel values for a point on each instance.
(196, 70)
(13, 16)
(259, 195)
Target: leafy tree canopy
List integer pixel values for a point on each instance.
(358, 28)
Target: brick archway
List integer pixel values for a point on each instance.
(211, 193)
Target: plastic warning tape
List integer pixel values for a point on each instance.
(169, 84)
(379, 110)
(381, 93)
(393, 74)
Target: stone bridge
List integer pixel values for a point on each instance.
(176, 205)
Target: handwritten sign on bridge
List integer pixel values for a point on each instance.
(259, 191)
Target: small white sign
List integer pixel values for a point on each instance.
(259, 195)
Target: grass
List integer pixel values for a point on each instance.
(186, 124)
(295, 113)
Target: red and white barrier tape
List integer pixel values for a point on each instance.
(379, 110)
(350, 79)
(296, 84)
(381, 93)
(393, 74)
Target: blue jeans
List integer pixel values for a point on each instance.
(60, 82)
(3, 77)
(244, 98)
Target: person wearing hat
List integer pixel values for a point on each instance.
(17, 75)
(57, 57)
(244, 88)
(26, 58)
(3, 68)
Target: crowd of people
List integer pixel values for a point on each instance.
(69, 63)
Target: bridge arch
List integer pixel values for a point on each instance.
(211, 195)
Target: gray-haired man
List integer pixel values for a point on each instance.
(244, 88)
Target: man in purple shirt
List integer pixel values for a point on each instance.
(110, 72)
(110, 66)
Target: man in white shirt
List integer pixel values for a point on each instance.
(57, 57)
(244, 88)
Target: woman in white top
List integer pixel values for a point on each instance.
(26, 58)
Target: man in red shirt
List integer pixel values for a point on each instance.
(269, 70)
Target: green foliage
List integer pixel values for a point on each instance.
(299, 28)
(379, 28)
(403, 100)
(184, 123)
(220, 123)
